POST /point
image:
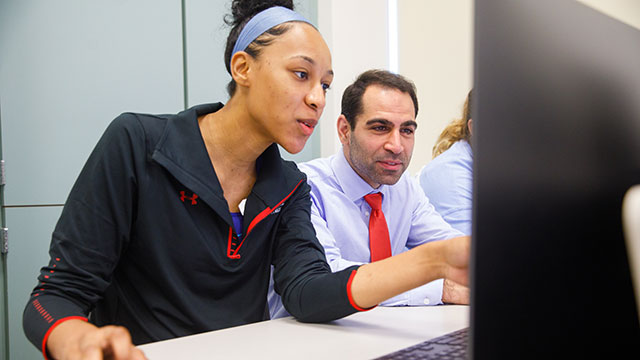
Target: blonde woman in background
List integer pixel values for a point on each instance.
(447, 179)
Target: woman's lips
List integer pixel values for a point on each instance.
(307, 126)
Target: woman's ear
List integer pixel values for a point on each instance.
(240, 67)
(470, 126)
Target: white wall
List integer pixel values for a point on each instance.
(627, 11)
(357, 36)
(435, 45)
(435, 50)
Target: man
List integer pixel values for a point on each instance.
(376, 129)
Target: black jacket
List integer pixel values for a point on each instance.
(145, 240)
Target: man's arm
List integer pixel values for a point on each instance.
(454, 293)
(327, 240)
(428, 225)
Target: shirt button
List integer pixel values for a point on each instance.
(427, 301)
(366, 213)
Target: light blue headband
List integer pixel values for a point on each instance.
(262, 22)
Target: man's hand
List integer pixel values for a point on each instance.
(454, 293)
(77, 339)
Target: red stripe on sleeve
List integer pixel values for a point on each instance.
(46, 336)
(350, 295)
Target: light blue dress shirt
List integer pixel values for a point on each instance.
(340, 217)
(447, 181)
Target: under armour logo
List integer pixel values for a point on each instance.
(192, 198)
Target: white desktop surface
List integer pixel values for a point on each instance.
(363, 335)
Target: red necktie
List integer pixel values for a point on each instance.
(378, 232)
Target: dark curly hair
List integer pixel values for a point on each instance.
(241, 12)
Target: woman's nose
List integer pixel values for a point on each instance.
(316, 97)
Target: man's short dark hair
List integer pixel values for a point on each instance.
(352, 96)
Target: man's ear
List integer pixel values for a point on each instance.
(241, 63)
(344, 129)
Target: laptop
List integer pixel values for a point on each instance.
(556, 146)
(454, 345)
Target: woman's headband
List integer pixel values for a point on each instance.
(262, 22)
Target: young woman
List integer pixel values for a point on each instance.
(174, 222)
(447, 180)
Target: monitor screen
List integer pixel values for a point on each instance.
(556, 145)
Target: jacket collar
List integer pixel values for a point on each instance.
(181, 150)
(276, 177)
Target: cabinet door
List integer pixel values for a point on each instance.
(67, 68)
(31, 230)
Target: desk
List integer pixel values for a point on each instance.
(363, 335)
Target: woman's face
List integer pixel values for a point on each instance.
(288, 84)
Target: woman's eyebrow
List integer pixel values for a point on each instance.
(310, 61)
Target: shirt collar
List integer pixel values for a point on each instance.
(353, 186)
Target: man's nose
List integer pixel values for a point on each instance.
(394, 143)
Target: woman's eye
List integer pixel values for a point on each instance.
(326, 87)
(301, 74)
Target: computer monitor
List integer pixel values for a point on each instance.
(556, 145)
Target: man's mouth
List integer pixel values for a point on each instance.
(390, 164)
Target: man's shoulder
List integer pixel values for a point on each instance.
(317, 168)
(407, 185)
(407, 193)
(322, 180)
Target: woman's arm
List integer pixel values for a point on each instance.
(380, 280)
(90, 235)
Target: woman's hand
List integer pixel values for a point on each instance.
(456, 253)
(77, 339)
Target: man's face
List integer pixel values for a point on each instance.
(379, 148)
